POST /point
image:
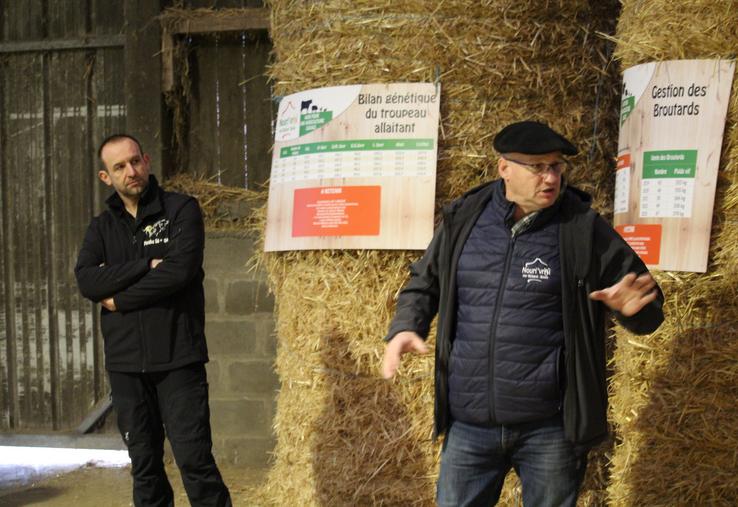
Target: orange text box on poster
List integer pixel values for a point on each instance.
(336, 211)
(623, 161)
(644, 239)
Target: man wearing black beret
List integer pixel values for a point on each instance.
(522, 273)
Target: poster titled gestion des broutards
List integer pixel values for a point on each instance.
(354, 167)
(671, 129)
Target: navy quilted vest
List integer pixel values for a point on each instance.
(505, 358)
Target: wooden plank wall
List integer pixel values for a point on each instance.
(231, 109)
(55, 107)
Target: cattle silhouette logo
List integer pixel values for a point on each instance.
(155, 232)
(309, 110)
(536, 271)
(313, 116)
(307, 106)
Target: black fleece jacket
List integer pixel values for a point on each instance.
(160, 313)
(593, 256)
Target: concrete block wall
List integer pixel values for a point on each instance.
(242, 347)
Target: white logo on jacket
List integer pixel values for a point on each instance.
(536, 271)
(154, 231)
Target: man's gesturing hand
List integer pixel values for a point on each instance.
(629, 295)
(404, 341)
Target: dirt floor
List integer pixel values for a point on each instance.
(111, 487)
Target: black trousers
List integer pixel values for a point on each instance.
(175, 402)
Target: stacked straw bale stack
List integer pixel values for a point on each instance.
(344, 436)
(675, 394)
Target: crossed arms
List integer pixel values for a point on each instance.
(142, 282)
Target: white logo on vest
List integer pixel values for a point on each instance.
(154, 231)
(536, 271)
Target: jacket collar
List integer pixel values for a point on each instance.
(472, 200)
(149, 204)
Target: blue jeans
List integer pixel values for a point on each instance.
(475, 460)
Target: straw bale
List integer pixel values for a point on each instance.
(224, 209)
(547, 59)
(664, 30)
(674, 392)
(344, 436)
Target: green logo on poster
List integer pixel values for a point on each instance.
(313, 121)
(626, 107)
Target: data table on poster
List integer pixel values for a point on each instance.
(667, 198)
(667, 189)
(622, 190)
(355, 159)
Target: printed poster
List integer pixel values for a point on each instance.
(672, 119)
(354, 167)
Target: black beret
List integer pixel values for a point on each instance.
(531, 138)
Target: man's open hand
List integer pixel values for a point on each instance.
(629, 295)
(404, 341)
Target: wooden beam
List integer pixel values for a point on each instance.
(145, 117)
(253, 18)
(167, 61)
(108, 41)
(69, 440)
(98, 412)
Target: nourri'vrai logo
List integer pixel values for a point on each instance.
(536, 271)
